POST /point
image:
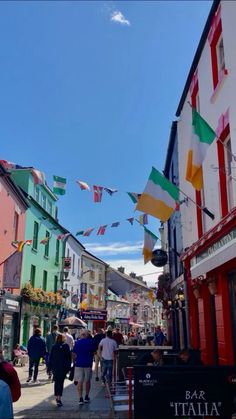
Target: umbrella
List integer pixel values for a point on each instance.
(74, 322)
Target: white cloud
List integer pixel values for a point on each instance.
(113, 249)
(118, 17)
(137, 266)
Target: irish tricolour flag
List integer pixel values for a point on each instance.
(149, 243)
(59, 185)
(159, 196)
(202, 137)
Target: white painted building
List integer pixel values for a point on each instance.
(72, 276)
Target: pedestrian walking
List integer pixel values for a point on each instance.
(59, 363)
(50, 341)
(97, 358)
(69, 338)
(36, 349)
(159, 337)
(6, 408)
(83, 353)
(117, 335)
(9, 375)
(108, 348)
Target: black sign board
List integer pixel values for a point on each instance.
(196, 392)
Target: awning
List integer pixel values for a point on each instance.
(136, 324)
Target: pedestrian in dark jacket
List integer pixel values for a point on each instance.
(50, 340)
(36, 349)
(59, 364)
(159, 337)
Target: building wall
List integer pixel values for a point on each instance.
(74, 250)
(95, 280)
(10, 204)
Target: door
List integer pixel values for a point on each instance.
(232, 290)
(7, 335)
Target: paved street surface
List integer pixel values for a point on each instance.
(37, 400)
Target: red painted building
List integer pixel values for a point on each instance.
(209, 236)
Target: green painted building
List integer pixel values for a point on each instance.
(42, 265)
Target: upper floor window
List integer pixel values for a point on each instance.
(220, 55)
(46, 248)
(36, 194)
(228, 172)
(44, 201)
(35, 235)
(32, 275)
(45, 280)
(73, 263)
(57, 251)
(50, 207)
(15, 226)
(215, 39)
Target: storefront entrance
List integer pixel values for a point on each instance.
(232, 289)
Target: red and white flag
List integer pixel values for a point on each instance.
(39, 177)
(101, 230)
(97, 193)
(88, 232)
(83, 185)
(63, 236)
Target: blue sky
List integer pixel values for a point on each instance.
(88, 92)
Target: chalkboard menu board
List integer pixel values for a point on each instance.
(178, 391)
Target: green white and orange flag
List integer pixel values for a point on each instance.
(202, 137)
(159, 197)
(149, 243)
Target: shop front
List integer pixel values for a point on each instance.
(211, 275)
(95, 319)
(10, 306)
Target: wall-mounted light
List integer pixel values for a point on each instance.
(181, 295)
(212, 286)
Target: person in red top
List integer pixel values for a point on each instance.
(9, 375)
(118, 337)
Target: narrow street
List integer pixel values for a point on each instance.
(37, 400)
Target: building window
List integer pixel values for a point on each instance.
(15, 226)
(35, 235)
(78, 272)
(68, 253)
(36, 194)
(228, 172)
(220, 55)
(57, 252)
(92, 275)
(46, 248)
(217, 49)
(44, 201)
(73, 263)
(50, 207)
(45, 280)
(32, 275)
(55, 283)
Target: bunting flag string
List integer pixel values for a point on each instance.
(97, 193)
(101, 230)
(143, 219)
(131, 220)
(20, 244)
(83, 185)
(116, 224)
(110, 191)
(134, 196)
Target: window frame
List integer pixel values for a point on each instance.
(46, 246)
(16, 226)
(45, 280)
(32, 275)
(35, 236)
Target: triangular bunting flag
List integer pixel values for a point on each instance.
(83, 186)
(134, 196)
(110, 191)
(101, 230)
(59, 185)
(131, 220)
(149, 243)
(115, 224)
(80, 233)
(62, 236)
(88, 232)
(45, 240)
(143, 219)
(159, 197)
(97, 193)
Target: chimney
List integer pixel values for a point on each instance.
(132, 274)
(121, 269)
(140, 278)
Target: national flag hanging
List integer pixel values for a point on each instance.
(88, 232)
(97, 193)
(134, 196)
(131, 220)
(116, 224)
(149, 242)
(80, 233)
(110, 190)
(59, 185)
(39, 177)
(45, 240)
(20, 245)
(83, 185)
(62, 236)
(202, 137)
(143, 219)
(101, 230)
(159, 196)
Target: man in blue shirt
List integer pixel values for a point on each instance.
(6, 410)
(83, 352)
(159, 337)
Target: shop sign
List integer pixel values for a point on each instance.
(219, 244)
(122, 320)
(12, 271)
(94, 315)
(176, 394)
(11, 305)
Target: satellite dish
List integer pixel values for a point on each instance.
(159, 258)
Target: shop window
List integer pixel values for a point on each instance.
(45, 280)
(32, 275)
(46, 247)
(35, 235)
(15, 226)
